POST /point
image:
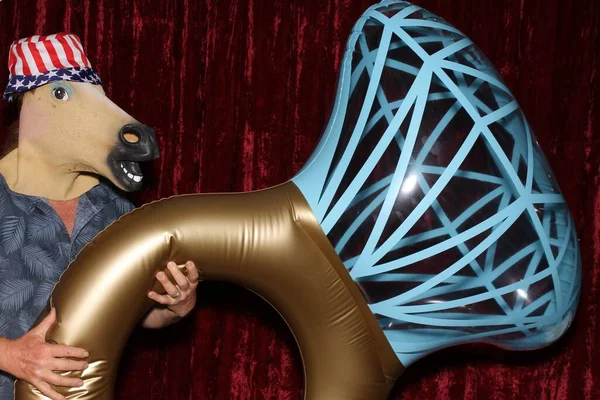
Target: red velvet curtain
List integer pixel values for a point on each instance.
(239, 92)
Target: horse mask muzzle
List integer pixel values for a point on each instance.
(137, 143)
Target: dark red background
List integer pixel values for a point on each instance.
(239, 90)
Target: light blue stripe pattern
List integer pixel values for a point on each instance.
(435, 194)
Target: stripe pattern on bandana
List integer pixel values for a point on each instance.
(38, 60)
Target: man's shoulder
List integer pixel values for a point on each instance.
(4, 192)
(11, 203)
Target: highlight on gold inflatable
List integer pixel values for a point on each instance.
(427, 217)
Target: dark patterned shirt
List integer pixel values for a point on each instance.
(35, 249)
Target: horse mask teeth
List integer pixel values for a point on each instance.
(130, 171)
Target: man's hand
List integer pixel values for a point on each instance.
(31, 359)
(179, 300)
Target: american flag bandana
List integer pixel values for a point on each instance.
(38, 60)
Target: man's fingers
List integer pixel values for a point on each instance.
(161, 298)
(61, 350)
(46, 324)
(167, 284)
(64, 364)
(47, 390)
(59, 380)
(193, 275)
(180, 279)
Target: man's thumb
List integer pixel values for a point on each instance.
(46, 323)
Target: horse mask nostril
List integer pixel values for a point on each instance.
(131, 137)
(139, 140)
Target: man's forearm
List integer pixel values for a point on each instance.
(160, 317)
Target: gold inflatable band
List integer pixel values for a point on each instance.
(267, 241)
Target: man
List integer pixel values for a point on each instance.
(68, 139)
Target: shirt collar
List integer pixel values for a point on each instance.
(98, 195)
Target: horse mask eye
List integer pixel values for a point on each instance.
(60, 93)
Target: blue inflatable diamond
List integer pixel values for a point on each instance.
(435, 194)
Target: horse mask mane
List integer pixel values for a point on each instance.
(69, 132)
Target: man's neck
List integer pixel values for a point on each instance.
(27, 173)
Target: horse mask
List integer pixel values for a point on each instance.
(69, 134)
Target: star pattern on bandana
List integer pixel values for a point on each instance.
(17, 85)
(22, 83)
